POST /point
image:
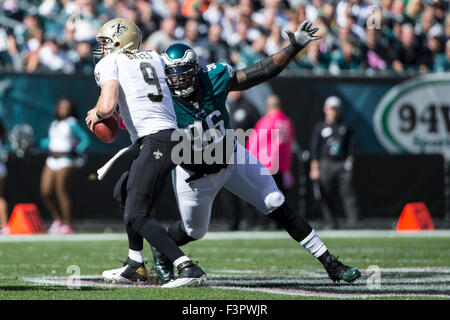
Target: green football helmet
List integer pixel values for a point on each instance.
(181, 66)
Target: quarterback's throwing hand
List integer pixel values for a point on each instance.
(304, 34)
(92, 119)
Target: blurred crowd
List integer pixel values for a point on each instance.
(359, 36)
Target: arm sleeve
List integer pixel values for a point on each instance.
(85, 141)
(264, 70)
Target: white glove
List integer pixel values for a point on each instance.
(304, 34)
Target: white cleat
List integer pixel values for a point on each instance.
(185, 282)
(130, 272)
(189, 274)
(114, 275)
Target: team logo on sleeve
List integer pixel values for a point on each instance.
(229, 68)
(119, 29)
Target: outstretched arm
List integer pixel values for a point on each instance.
(273, 65)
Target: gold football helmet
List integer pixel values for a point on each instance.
(117, 35)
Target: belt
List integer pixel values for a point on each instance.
(139, 140)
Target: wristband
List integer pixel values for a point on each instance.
(291, 51)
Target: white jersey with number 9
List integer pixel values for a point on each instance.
(144, 98)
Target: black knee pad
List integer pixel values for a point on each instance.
(178, 235)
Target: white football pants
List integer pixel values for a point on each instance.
(246, 177)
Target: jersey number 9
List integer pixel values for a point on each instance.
(151, 80)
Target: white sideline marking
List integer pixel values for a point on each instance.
(326, 234)
(229, 235)
(61, 281)
(412, 284)
(305, 293)
(312, 272)
(69, 237)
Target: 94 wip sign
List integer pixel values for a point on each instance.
(414, 117)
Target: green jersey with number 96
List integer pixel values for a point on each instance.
(209, 110)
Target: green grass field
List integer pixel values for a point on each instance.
(240, 266)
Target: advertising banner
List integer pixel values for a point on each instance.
(414, 116)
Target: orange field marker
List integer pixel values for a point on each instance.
(415, 216)
(26, 219)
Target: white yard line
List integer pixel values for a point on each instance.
(67, 238)
(61, 281)
(326, 234)
(305, 293)
(412, 285)
(232, 235)
(311, 272)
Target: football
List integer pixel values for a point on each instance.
(107, 129)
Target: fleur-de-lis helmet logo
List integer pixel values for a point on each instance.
(119, 28)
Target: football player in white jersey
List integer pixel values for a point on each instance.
(135, 80)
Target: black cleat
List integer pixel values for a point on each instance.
(131, 271)
(338, 271)
(189, 274)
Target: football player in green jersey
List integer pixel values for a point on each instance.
(199, 96)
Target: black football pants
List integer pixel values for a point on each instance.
(138, 189)
(335, 179)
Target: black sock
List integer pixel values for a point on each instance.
(297, 226)
(177, 233)
(158, 237)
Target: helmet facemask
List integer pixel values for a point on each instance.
(181, 67)
(101, 49)
(182, 79)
